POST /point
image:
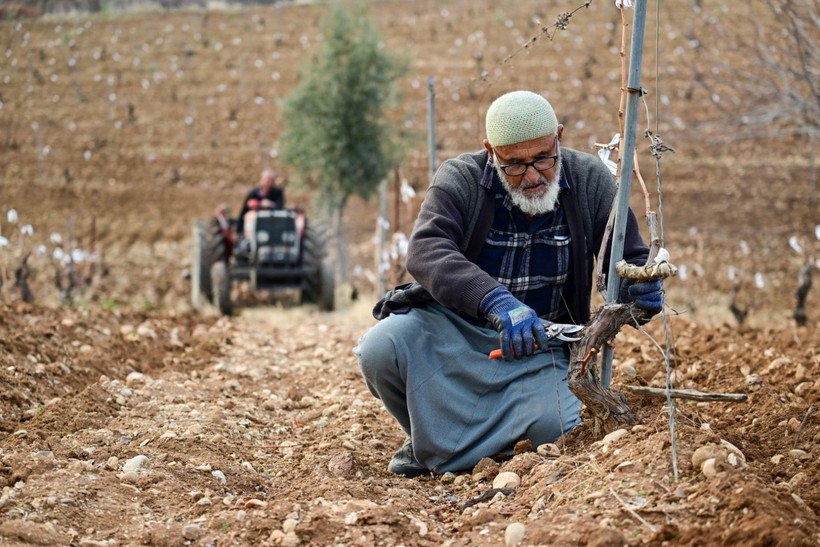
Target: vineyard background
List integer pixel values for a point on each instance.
(119, 130)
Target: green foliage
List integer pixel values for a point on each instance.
(337, 134)
(110, 304)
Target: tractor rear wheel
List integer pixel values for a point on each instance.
(318, 286)
(221, 287)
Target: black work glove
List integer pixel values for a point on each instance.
(518, 326)
(646, 295)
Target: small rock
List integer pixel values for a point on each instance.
(291, 539)
(145, 331)
(341, 464)
(522, 447)
(220, 476)
(486, 468)
(507, 479)
(709, 467)
(777, 458)
(135, 379)
(514, 534)
(625, 466)
(797, 479)
(192, 531)
(129, 476)
(710, 451)
(448, 478)
(135, 464)
(255, 503)
(628, 372)
(549, 450)
(614, 436)
(753, 380)
(289, 525)
(94, 543)
(204, 500)
(778, 363)
(331, 410)
(798, 454)
(194, 430)
(740, 458)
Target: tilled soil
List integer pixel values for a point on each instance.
(258, 430)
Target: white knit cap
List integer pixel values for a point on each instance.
(519, 116)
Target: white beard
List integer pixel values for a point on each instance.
(539, 205)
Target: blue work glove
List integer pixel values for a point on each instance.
(646, 295)
(517, 324)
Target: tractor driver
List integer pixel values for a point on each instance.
(265, 196)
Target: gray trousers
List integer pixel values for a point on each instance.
(430, 368)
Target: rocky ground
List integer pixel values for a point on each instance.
(123, 429)
(127, 418)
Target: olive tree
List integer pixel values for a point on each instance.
(337, 132)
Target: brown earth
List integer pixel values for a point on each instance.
(257, 429)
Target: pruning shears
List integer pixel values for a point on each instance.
(562, 331)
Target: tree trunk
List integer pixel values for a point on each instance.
(340, 239)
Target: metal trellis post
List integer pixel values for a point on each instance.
(634, 92)
(431, 125)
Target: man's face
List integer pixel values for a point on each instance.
(268, 179)
(534, 191)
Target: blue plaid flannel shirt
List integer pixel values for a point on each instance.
(531, 258)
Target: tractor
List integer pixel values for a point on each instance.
(278, 249)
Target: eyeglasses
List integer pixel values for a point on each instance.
(518, 169)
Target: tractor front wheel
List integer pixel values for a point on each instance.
(200, 265)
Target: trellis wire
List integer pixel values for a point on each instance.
(657, 148)
(657, 151)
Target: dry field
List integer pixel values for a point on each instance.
(129, 419)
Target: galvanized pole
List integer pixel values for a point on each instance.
(431, 125)
(634, 92)
(381, 252)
